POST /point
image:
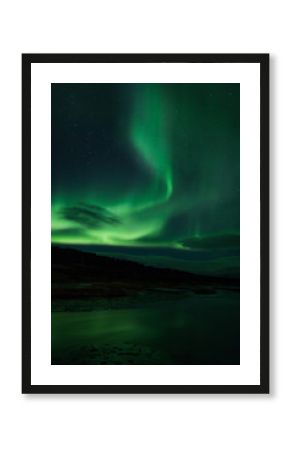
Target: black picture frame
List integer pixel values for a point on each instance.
(27, 60)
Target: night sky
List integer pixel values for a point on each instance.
(149, 172)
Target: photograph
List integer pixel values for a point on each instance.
(145, 227)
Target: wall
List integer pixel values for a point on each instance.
(107, 422)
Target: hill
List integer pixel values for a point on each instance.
(79, 266)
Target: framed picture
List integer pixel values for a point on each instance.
(145, 223)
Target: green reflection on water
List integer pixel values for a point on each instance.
(184, 328)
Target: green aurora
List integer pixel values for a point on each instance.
(149, 172)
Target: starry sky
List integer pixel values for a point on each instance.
(149, 172)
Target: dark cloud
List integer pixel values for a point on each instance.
(213, 242)
(89, 216)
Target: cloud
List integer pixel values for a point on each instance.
(213, 242)
(89, 216)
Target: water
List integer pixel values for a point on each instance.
(156, 327)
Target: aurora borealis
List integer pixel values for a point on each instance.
(149, 172)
